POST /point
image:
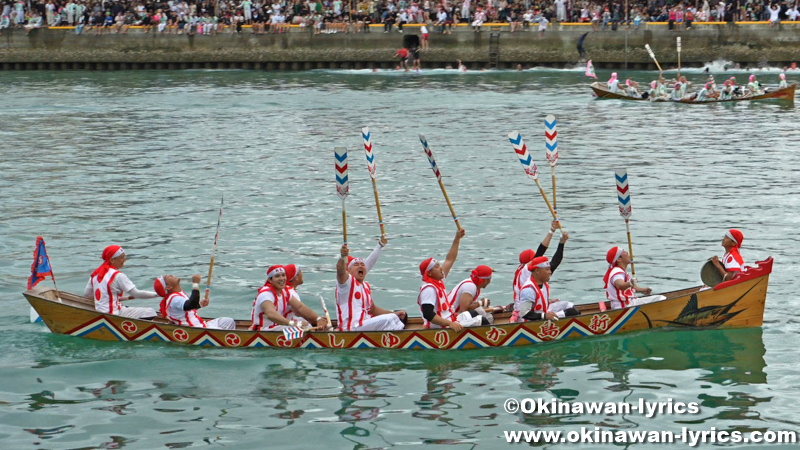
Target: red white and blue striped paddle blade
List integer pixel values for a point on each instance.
(551, 139)
(431, 160)
(524, 157)
(623, 194)
(342, 182)
(292, 333)
(368, 149)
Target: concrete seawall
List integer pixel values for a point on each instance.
(750, 44)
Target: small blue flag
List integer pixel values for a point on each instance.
(40, 268)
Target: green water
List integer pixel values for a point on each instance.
(141, 159)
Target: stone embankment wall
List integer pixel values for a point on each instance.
(747, 44)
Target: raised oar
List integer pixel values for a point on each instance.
(652, 55)
(530, 167)
(624, 197)
(551, 143)
(679, 57)
(214, 249)
(327, 316)
(342, 184)
(371, 167)
(438, 174)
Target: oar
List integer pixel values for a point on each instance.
(679, 57)
(342, 184)
(652, 55)
(530, 167)
(327, 316)
(551, 143)
(371, 167)
(624, 197)
(214, 249)
(438, 174)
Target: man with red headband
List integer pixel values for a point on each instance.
(464, 297)
(108, 286)
(522, 275)
(620, 287)
(181, 309)
(355, 310)
(274, 304)
(534, 296)
(437, 311)
(732, 263)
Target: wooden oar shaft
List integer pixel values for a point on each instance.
(378, 206)
(208, 279)
(630, 247)
(449, 205)
(344, 223)
(546, 200)
(555, 208)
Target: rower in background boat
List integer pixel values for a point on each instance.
(632, 88)
(620, 288)
(273, 305)
(727, 91)
(754, 86)
(181, 309)
(534, 296)
(355, 309)
(732, 262)
(783, 83)
(432, 299)
(465, 296)
(108, 285)
(613, 83)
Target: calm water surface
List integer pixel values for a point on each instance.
(141, 159)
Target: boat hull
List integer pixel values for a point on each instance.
(786, 95)
(737, 303)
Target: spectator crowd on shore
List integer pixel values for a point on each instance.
(328, 16)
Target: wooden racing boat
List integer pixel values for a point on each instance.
(735, 303)
(785, 94)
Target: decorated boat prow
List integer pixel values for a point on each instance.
(734, 303)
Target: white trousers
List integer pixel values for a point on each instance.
(559, 306)
(464, 319)
(221, 323)
(133, 312)
(639, 301)
(384, 322)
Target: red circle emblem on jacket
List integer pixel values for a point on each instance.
(357, 295)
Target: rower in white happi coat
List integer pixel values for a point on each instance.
(534, 297)
(783, 83)
(274, 305)
(613, 83)
(108, 286)
(181, 309)
(620, 288)
(355, 309)
(522, 273)
(465, 296)
(436, 309)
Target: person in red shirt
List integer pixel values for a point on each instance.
(403, 55)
